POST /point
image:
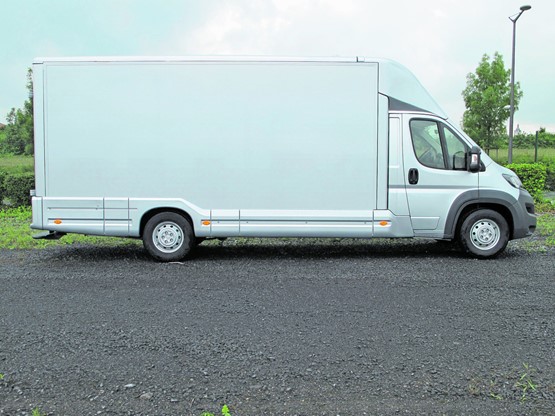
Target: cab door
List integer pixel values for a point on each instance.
(436, 174)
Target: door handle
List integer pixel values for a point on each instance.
(413, 176)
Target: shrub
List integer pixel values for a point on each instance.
(550, 177)
(2, 192)
(16, 188)
(532, 176)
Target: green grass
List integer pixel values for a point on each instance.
(523, 155)
(17, 164)
(546, 228)
(520, 383)
(36, 412)
(525, 383)
(15, 233)
(225, 412)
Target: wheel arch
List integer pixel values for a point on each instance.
(474, 206)
(473, 200)
(151, 213)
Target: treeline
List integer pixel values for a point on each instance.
(16, 137)
(528, 140)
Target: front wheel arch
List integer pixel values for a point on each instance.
(465, 210)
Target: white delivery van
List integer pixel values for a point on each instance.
(176, 150)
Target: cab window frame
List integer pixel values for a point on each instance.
(441, 126)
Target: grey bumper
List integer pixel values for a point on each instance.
(524, 216)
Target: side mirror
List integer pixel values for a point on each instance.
(473, 162)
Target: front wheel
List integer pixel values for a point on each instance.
(484, 233)
(168, 236)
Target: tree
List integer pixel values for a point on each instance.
(19, 130)
(487, 98)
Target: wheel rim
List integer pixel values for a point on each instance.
(485, 234)
(167, 237)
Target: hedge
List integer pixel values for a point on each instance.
(2, 178)
(533, 177)
(15, 187)
(536, 177)
(550, 178)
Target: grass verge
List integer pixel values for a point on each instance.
(15, 233)
(17, 164)
(545, 155)
(546, 228)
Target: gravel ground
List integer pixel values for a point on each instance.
(278, 328)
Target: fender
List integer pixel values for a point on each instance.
(478, 197)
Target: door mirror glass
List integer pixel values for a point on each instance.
(473, 162)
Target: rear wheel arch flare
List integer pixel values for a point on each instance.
(149, 214)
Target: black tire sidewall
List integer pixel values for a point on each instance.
(470, 220)
(188, 236)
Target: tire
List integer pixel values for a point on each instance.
(484, 233)
(168, 236)
(198, 241)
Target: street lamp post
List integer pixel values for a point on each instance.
(512, 109)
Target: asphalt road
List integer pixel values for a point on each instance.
(302, 328)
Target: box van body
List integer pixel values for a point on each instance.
(176, 150)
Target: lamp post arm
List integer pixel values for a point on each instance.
(516, 18)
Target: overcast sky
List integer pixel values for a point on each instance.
(439, 40)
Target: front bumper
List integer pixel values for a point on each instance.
(524, 216)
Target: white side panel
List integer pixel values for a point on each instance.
(36, 204)
(38, 119)
(116, 216)
(225, 223)
(138, 207)
(305, 229)
(386, 224)
(79, 215)
(220, 135)
(299, 223)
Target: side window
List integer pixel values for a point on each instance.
(456, 150)
(426, 141)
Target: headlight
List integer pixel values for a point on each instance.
(513, 180)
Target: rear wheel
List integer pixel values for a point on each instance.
(484, 233)
(168, 236)
(198, 241)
